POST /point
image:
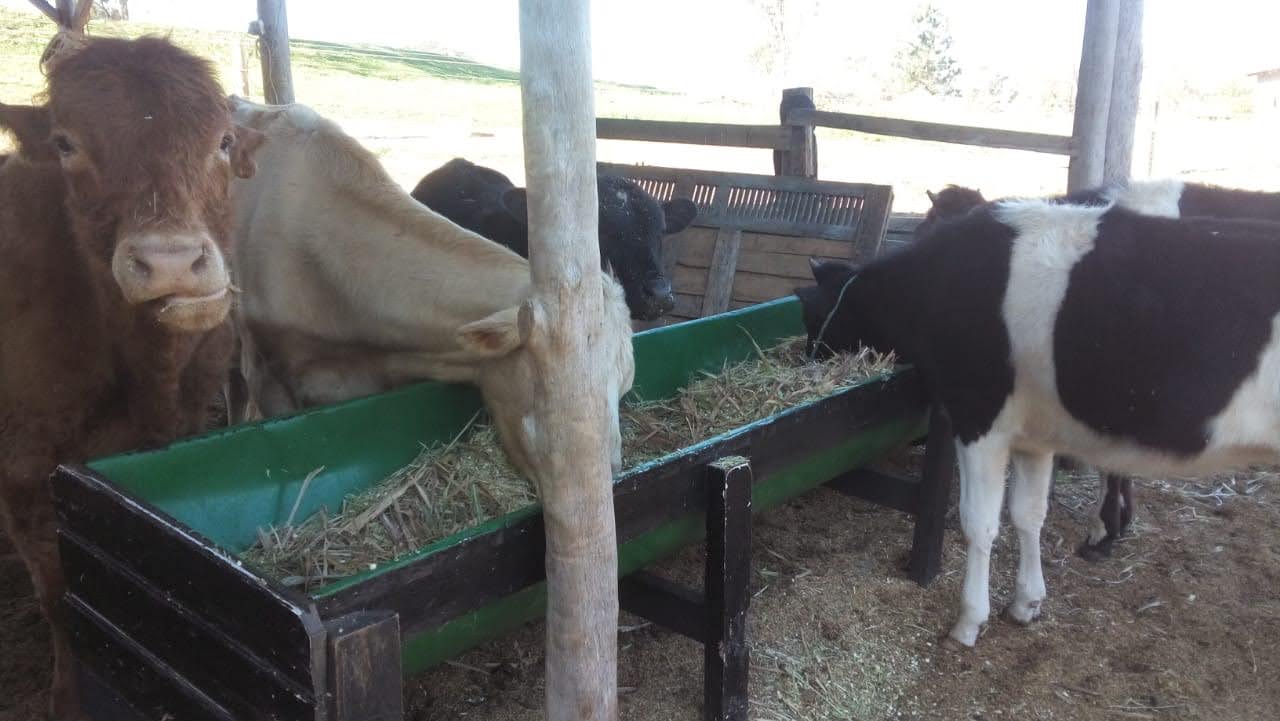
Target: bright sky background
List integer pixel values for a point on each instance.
(688, 44)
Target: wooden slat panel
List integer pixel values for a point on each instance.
(720, 274)
(698, 254)
(757, 287)
(874, 219)
(198, 651)
(940, 132)
(274, 623)
(784, 265)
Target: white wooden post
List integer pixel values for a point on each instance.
(1093, 94)
(1123, 113)
(571, 411)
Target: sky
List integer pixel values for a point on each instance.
(700, 44)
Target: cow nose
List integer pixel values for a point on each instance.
(659, 298)
(155, 266)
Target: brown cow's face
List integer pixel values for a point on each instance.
(147, 148)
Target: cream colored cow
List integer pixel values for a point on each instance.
(351, 287)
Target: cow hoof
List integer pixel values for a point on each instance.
(1094, 552)
(963, 636)
(1023, 613)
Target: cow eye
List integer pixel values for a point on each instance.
(227, 141)
(63, 146)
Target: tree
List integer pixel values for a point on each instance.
(926, 62)
(110, 10)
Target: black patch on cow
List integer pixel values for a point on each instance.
(1161, 322)
(937, 304)
(631, 224)
(1212, 201)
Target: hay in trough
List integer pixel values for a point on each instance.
(454, 486)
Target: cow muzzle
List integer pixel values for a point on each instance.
(657, 299)
(183, 276)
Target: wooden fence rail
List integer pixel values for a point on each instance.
(940, 132)
(669, 131)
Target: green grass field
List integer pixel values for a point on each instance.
(417, 109)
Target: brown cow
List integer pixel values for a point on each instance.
(114, 293)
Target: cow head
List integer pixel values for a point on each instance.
(952, 201)
(473, 197)
(145, 145)
(831, 320)
(632, 226)
(504, 341)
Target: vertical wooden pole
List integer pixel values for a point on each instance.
(569, 426)
(363, 652)
(246, 90)
(1093, 95)
(726, 656)
(277, 73)
(1125, 85)
(937, 477)
(801, 159)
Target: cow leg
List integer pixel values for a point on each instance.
(982, 470)
(1028, 504)
(1110, 518)
(29, 520)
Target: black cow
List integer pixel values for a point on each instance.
(1045, 327)
(632, 224)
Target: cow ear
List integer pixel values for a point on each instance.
(830, 272)
(932, 198)
(680, 213)
(247, 142)
(30, 126)
(516, 204)
(499, 334)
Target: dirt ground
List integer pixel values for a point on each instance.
(1182, 622)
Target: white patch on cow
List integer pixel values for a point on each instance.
(1097, 528)
(622, 196)
(982, 469)
(1028, 505)
(1149, 197)
(1251, 419)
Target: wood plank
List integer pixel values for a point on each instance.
(673, 131)
(724, 261)
(271, 621)
(871, 224)
(783, 265)
(758, 287)
(220, 666)
(939, 132)
(741, 180)
(937, 477)
(144, 681)
(883, 489)
(364, 667)
(728, 589)
(698, 255)
(666, 603)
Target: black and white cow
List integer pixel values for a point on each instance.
(1112, 516)
(632, 224)
(1139, 344)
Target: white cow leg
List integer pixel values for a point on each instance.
(982, 470)
(1028, 503)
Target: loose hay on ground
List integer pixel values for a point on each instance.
(454, 486)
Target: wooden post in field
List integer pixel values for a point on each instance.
(273, 43)
(68, 14)
(571, 410)
(1125, 85)
(1093, 94)
(801, 159)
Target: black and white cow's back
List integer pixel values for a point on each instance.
(1136, 343)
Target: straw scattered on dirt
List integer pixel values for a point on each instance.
(454, 486)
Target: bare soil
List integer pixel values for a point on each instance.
(1181, 622)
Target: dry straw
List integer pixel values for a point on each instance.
(467, 481)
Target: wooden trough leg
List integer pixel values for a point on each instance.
(926, 499)
(717, 617)
(936, 478)
(728, 580)
(364, 667)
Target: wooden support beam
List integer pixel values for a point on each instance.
(800, 159)
(364, 667)
(1122, 115)
(940, 132)
(50, 11)
(727, 658)
(273, 41)
(1093, 95)
(673, 131)
(572, 423)
(937, 477)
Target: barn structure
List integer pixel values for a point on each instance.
(751, 244)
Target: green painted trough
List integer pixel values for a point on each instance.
(168, 619)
